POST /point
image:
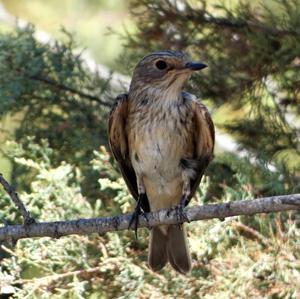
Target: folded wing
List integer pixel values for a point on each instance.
(118, 142)
(204, 139)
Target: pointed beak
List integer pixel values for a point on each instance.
(195, 66)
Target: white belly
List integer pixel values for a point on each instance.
(158, 139)
(157, 158)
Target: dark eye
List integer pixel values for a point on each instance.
(160, 64)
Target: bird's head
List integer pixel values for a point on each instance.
(163, 71)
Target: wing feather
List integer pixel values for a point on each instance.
(204, 139)
(118, 142)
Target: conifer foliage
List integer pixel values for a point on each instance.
(252, 51)
(62, 168)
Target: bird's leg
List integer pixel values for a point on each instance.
(137, 211)
(186, 191)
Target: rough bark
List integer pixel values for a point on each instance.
(172, 216)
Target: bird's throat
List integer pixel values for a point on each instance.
(158, 96)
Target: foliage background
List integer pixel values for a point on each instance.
(53, 117)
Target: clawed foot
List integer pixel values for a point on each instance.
(135, 215)
(180, 213)
(135, 220)
(29, 220)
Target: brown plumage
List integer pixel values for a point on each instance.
(163, 140)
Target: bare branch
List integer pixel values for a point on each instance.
(72, 90)
(170, 216)
(250, 25)
(46, 280)
(249, 230)
(15, 198)
(204, 16)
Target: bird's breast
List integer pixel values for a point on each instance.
(158, 140)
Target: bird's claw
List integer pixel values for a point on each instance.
(29, 220)
(135, 215)
(180, 213)
(134, 220)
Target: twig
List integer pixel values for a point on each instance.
(251, 231)
(15, 198)
(87, 273)
(203, 15)
(162, 217)
(69, 89)
(250, 25)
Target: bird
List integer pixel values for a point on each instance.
(163, 140)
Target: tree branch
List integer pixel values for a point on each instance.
(162, 217)
(250, 25)
(46, 280)
(204, 16)
(72, 90)
(15, 198)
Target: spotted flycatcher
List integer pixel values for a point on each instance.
(163, 140)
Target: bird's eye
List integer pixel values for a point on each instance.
(160, 64)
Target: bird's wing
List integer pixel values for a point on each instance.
(118, 142)
(204, 139)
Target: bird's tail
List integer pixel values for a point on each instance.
(157, 254)
(177, 249)
(170, 246)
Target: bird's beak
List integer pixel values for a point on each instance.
(195, 66)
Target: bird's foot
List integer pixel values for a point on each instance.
(180, 213)
(135, 215)
(29, 220)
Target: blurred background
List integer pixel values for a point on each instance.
(96, 25)
(62, 63)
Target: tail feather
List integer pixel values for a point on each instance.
(157, 256)
(177, 249)
(169, 244)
